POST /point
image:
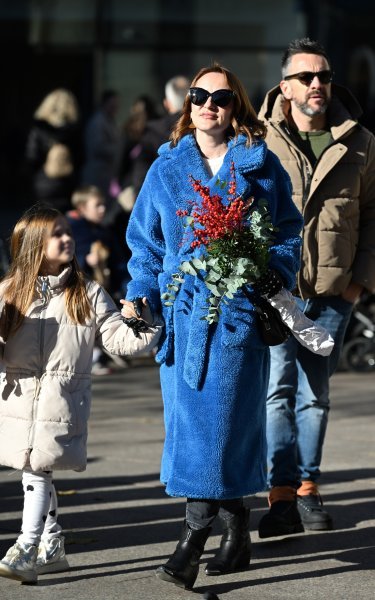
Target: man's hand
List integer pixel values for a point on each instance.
(352, 292)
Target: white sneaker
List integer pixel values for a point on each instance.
(51, 556)
(19, 563)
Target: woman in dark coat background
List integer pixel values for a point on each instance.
(54, 149)
(214, 377)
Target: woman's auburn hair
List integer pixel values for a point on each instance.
(244, 118)
(27, 249)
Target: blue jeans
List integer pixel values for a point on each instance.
(298, 396)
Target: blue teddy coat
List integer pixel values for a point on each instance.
(213, 377)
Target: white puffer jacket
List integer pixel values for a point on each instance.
(45, 386)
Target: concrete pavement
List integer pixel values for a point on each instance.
(120, 526)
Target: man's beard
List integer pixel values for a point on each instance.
(309, 111)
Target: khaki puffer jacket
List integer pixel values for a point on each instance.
(336, 197)
(45, 383)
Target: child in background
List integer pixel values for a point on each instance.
(50, 318)
(97, 253)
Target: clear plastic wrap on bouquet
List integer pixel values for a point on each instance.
(309, 334)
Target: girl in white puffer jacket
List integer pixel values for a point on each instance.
(50, 318)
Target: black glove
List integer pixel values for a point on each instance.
(137, 325)
(138, 306)
(269, 284)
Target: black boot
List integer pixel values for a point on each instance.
(183, 566)
(235, 547)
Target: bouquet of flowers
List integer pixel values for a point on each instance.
(235, 238)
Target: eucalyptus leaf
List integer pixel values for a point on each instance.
(198, 264)
(188, 268)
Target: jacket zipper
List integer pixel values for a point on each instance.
(45, 294)
(305, 166)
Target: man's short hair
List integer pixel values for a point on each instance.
(176, 90)
(82, 195)
(301, 46)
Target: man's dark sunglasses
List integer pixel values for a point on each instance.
(306, 77)
(221, 98)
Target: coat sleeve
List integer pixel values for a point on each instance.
(285, 253)
(364, 262)
(114, 335)
(146, 242)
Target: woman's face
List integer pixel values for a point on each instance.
(59, 247)
(210, 118)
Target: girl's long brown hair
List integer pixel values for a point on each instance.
(27, 248)
(244, 117)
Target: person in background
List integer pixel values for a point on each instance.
(50, 318)
(102, 145)
(141, 112)
(158, 131)
(312, 126)
(213, 377)
(98, 254)
(54, 149)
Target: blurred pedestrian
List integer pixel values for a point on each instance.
(157, 131)
(50, 318)
(98, 254)
(141, 112)
(312, 126)
(102, 144)
(54, 149)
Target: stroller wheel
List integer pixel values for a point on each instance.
(359, 354)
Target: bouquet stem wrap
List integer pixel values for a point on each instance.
(309, 334)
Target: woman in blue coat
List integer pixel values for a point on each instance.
(214, 376)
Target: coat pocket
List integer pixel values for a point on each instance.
(239, 326)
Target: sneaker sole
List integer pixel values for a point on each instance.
(55, 567)
(319, 526)
(267, 533)
(27, 577)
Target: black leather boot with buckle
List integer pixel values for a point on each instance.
(183, 566)
(235, 547)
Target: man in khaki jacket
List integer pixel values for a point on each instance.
(313, 128)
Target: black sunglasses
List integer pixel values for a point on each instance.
(221, 98)
(306, 77)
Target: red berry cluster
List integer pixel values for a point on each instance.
(212, 219)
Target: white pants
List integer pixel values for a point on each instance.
(39, 518)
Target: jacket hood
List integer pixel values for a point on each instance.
(344, 107)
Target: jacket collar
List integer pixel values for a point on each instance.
(187, 153)
(55, 283)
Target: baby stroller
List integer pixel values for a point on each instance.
(358, 353)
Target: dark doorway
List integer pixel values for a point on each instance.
(28, 75)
